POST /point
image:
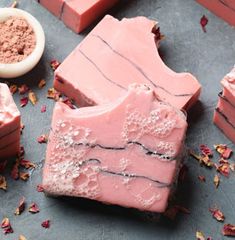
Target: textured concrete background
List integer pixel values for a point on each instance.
(186, 48)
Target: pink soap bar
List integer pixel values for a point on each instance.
(100, 69)
(78, 14)
(224, 9)
(9, 124)
(125, 152)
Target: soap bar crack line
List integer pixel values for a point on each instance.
(139, 69)
(5, 135)
(224, 116)
(100, 71)
(124, 174)
(226, 5)
(7, 145)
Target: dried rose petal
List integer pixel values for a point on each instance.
(13, 88)
(224, 150)
(216, 180)
(54, 64)
(22, 126)
(68, 102)
(232, 167)
(223, 169)
(32, 97)
(228, 230)
(53, 94)
(3, 166)
(204, 22)
(203, 159)
(42, 83)
(200, 236)
(3, 183)
(33, 208)
(21, 206)
(27, 164)
(15, 170)
(40, 188)
(6, 226)
(202, 178)
(183, 173)
(43, 108)
(42, 139)
(14, 4)
(22, 152)
(24, 101)
(206, 150)
(45, 224)
(217, 214)
(23, 89)
(24, 176)
(21, 237)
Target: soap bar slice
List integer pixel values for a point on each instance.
(126, 152)
(224, 9)
(100, 69)
(9, 124)
(78, 14)
(224, 116)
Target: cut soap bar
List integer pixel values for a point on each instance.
(224, 116)
(9, 124)
(127, 152)
(225, 9)
(100, 69)
(78, 14)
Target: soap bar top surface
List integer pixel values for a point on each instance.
(8, 109)
(126, 152)
(100, 69)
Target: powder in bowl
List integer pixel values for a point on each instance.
(17, 40)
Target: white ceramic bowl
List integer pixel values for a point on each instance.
(18, 69)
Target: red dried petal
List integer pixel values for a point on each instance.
(24, 176)
(33, 208)
(22, 152)
(42, 139)
(68, 102)
(202, 178)
(53, 94)
(3, 166)
(42, 83)
(23, 89)
(217, 214)
(32, 97)
(3, 183)
(24, 101)
(204, 21)
(5, 223)
(22, 126)
(216, 181)
(206, 150)
(27, 164)
(223, 169)
(54, 64)
(224, 150)
(45, 224)
(13, 88)
(43, 108)
(203, 159)
(21, 206)
(15, 170)
(228, 230)
(40, 188)
(8, 230)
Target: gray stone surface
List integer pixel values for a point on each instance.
(186, 48)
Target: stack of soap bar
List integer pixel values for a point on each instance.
(225, 9)
(100, 69)
(126, 152)
(9, 124)
(78, 14)
(224, 116)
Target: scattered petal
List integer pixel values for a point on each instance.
(13, 89)
(40, 188)
(3, 183)
(21, 237)
(22, 126)
(21, 206)
(42, 83)
(53, 94)
(22, 152)
(23, 89)
(6, 226)
(217, 214)
(24, 176)
(206, 150)
(200, 236)
(202, 178)
(68, 102)
(24, 101)
(203, 159)
(54, 64)
(224, 151)
(228, 230)
(223, 169)
(14, 4)
(33, 208)
(15, 170)
(216, 181)
(43, 108)
(204, 22)
(32, 97)
(46, 224)
(232, 167)
(42, 139)
(27, 164)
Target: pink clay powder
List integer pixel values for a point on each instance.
(17, 40)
